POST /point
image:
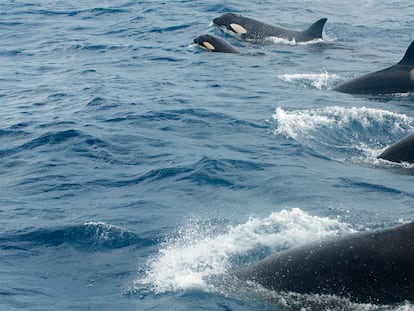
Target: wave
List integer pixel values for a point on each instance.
(170, 28)
(64, 12)
(210, 171)
(338, 132)
(90, 236)
(69, 139)
(205, 172)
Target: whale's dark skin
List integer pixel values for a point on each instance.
(214, 44)
(370, 267)
(254, 30)
(393, 80)
(401, 151)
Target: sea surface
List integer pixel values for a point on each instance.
(137, 170)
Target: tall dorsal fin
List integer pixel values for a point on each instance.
(408, 58)
(315, 31)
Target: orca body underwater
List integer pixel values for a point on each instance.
(401, 151)
(393, 80)
(369, 267)
(214, 44)
(254, 30)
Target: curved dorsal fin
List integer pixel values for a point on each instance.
(315, 31)
(408, 58)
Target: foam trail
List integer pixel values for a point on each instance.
(321, 81)
(197, 252)
(359, 133)
(293, 123)
(278, 40)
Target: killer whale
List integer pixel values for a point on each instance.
(395, 79)
(369, 267)
(401, 151)
(254, 30)
(214, 44)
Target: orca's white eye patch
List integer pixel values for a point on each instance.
(238, 29)
(208, 46)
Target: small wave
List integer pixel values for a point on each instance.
(209, 171)
(85, 13)
(368, 187)
(71, 139)
(170, 28)
(321, 81)
(199, 251)
(10, 53)
(205, 171)
(338, 131)
(52, 138)
(197, 121)
(96, 47)
(90, 236)
(104, 11)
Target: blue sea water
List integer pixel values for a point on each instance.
(137, 170)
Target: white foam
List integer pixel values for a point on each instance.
(320, 81)
(386, 163)
(278, 40)
(294, 122)
(200, 251)
(361, 132)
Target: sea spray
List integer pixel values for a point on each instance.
(187, 259)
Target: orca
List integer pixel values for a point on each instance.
(252, 30)
(401, 151)
(368, 267)
(393, 80)
(214, 44)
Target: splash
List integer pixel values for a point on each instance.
(296, 122)
(197, 252)
(337, 131)
(321, 81)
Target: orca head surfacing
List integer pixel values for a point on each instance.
(231, 23)
(214, 44)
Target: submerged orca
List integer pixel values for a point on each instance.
(401, 151)
(214, 44)
(251, 29)
(395, 79)
(368, 267)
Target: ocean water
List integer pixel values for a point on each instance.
(137, 170)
